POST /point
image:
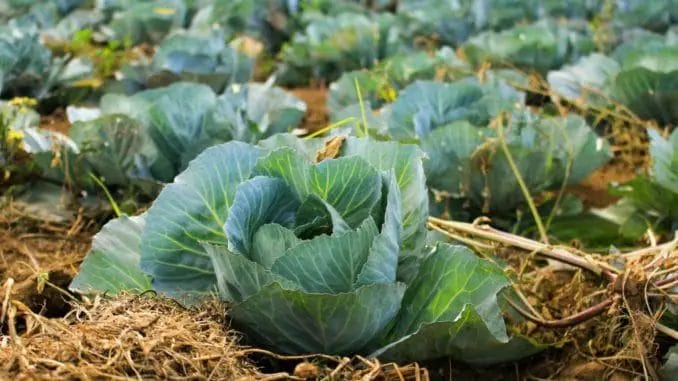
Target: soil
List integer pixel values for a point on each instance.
(593, 191)
(317, 115)
(56, 121)
(127, 337)
(52, 337)
(41, 258)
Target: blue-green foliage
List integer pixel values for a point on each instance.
(308, 254)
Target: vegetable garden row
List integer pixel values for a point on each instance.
(443, 210)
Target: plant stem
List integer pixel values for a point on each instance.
(666, 281)
(330, 127)
(569, 321)
(521, 182)
(363, 114)
(649, 250)
(111, 200)
(475, 244)
(666, 330)
(558, 254)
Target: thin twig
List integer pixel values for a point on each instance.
(523, 298)
(666, 330)
(569, 321)
(559, 254)
(663, 254)
(248, 351)
(344, 361)
(477, 245)
(5, 302)
(107, 193)
(667, 282)
(648, 250)
(363, 115)
(521, 182)
(330, 127)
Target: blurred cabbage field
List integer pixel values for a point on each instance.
(368, 189)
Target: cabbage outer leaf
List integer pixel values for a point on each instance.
(192, 211)
(452, 309)
(294, 321)
(112, 264)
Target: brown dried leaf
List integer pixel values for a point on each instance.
(331, 149)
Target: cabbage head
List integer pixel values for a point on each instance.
(316, 248)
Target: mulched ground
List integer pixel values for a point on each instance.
(48, 333)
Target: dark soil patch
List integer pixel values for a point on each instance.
(38, 259)
(317, 115)
(593, 191)
(56, 121)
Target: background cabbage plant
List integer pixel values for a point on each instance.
(649, 200)
(640, 74)
(26, 67)
(452, 123)
(148, 138)
(541, 46)
(192, 57)
(648, 82)
(317, 249)
(381, 84)
(330, 46)
(142, 21)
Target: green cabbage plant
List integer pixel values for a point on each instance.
(269, 21)
(466, 161)
(641, 74)
(27, 68)
(650, 201)
(316, 248)
(449, 21)
(655, 15)
(380, 84)
(201, 58)
(185, 118)
(148, 138)
(142, 21)
(332, 45)
(648, 83)
(541, 46)
(586, 82)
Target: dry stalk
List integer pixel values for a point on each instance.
(556, 253)
(637, 280)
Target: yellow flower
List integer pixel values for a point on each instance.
(388, 93)
(14, 136)
(23, 102)
(164, 11)
(93, 83)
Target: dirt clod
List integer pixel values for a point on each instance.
(315, 98)
(306, 370)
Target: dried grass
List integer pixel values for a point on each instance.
(128, 337)
(137, 337)
(148, 337)
(37, 255)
